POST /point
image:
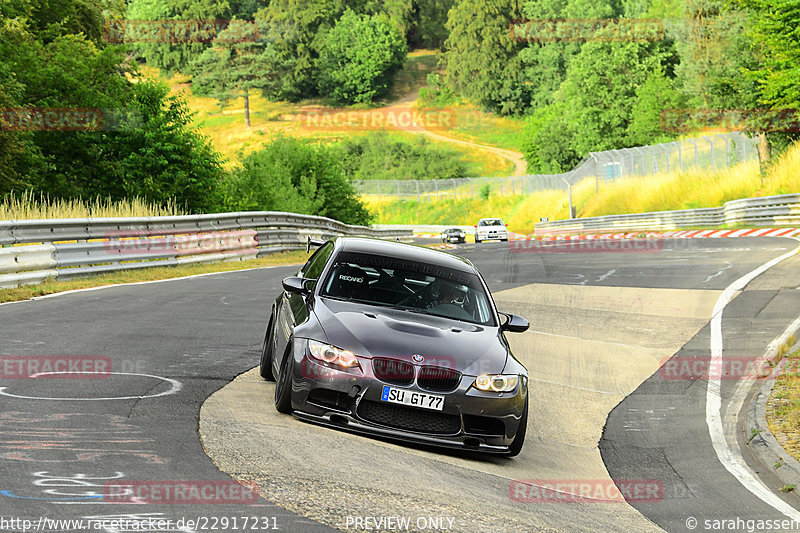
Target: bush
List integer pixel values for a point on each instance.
(295, 176)
(359, 58)
(380, 156)
(437, 93)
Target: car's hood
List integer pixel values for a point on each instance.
(381, 332)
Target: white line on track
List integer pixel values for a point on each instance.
(734, 462)
(605, 276)
(175, 386)
(63, 293)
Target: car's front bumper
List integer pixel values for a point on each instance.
(492, 236)
(476, 420)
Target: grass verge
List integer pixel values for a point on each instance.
(783, 405)
(27, 292)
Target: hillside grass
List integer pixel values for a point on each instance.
(223, 123)
(664, 192)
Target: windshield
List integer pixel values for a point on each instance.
(417, 287)
(491, 222)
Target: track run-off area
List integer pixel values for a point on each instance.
(611, 406)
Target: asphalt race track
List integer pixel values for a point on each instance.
(603, 324)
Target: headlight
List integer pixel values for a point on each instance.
(496, 382)
(332, 354)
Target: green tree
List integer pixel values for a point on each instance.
(49, 19)
(482, 61)
(656, 94)
(359, 58)
(774, 25)
(546, 63)
(296, 30)
(714, 50)
(549, 135)
(235, 66)
(145, 147)
(429, 23)
(604, 103)
(160, 156)
(161, 49)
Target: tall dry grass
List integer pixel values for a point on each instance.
(28, 206)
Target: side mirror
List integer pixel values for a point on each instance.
(514, 323)
(296, 285)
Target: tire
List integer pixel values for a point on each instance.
(283, 387)
(519, 438)
(504, 240)
(266, 352)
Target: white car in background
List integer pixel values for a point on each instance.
(490, 229)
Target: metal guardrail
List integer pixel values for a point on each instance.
(764, 211)
(32, 251)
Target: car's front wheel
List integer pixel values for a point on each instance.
(266, 352)
(519, 438)
(283, 387)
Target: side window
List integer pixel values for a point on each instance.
(316, 263)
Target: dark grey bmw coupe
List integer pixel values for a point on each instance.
(400, 341)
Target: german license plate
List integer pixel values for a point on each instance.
(414, 399)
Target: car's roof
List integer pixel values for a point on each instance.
(407, 252)
(492, 218)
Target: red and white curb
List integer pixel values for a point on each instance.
(691, 234)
